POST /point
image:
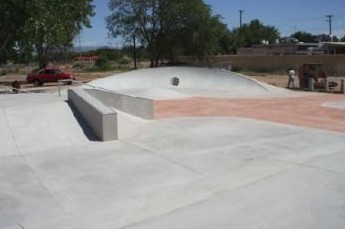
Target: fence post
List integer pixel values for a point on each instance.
(342, 86)
(59, 88)
(326, 85)
(311, 84)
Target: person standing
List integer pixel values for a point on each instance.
(291, 81)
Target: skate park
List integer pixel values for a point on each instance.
(183, 147)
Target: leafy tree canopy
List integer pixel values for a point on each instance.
(167, 27)
(45, 25)
(303, 36)
(53, 24)
(254, 32)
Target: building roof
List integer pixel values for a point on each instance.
(334, 44)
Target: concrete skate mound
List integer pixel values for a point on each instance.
(138, 93)
(182, 82)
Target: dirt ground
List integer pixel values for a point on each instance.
(276, 80)
(83, 77)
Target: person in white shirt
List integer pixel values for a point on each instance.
(291, 81)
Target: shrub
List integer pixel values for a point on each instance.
(125, 60)
(102, 63)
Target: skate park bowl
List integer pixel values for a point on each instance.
(137, 92)
(274, 159)
(183, 82)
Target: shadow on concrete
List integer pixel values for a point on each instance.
(85, 127)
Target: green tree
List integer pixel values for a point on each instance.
(226, 43)
(254, 32)
(53, 24)
(110, 54)
(202, 33)
(166, 27)
(303, 36)
(335, 39)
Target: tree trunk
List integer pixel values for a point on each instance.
(156, 62)
(42, 56)
(152, 62)
(154, 58)
(42, 62)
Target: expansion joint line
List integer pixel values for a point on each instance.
(305, 165)
(165, 158)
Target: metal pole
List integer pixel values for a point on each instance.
(241, 12)
(326, 85)
(342, 86)
(59, 88)
(311, 84)
(330, 19)
(134, 53)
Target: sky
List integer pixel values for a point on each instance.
(288, 16)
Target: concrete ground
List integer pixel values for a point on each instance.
(219, 170)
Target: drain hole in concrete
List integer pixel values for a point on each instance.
(175, 81)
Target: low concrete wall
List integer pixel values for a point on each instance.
(136, 106)
(101, 119)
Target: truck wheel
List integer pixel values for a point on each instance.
(37, 83)
(67, 82)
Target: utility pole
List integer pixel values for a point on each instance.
(241, 12)
(330, 20)
(134, 53)
(79, 40)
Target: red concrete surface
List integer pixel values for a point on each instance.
(300, 111)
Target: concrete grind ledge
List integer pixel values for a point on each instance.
(101, 119)
(137, 106)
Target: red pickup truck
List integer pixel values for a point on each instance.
(48, 75)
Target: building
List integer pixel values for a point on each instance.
(89, 60)
(283, 49)
(334, 47)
